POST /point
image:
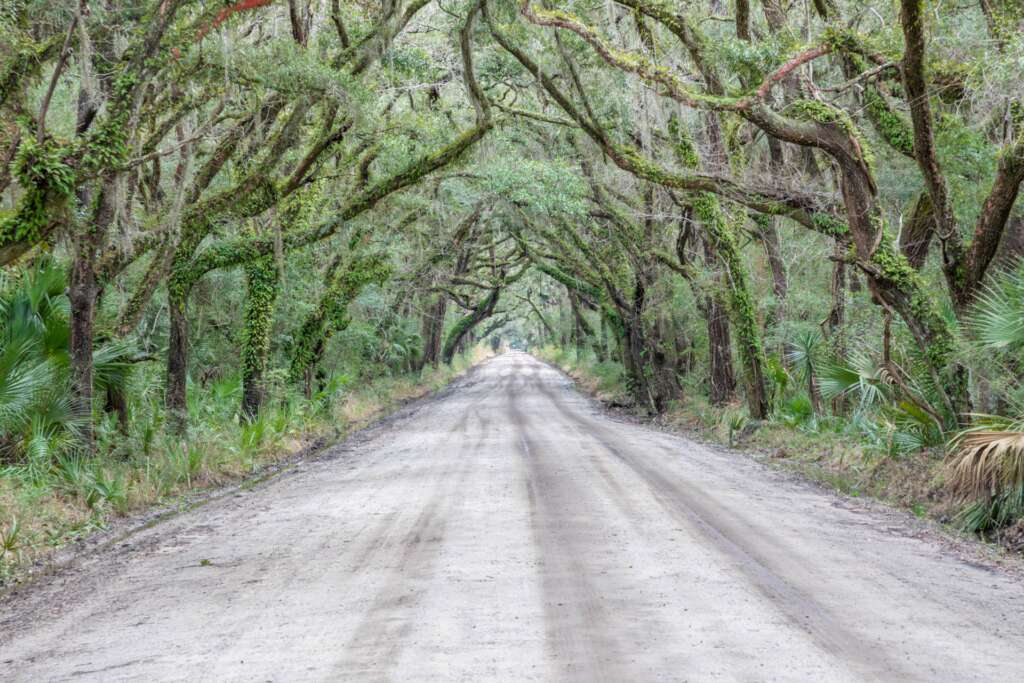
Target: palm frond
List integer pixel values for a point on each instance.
(986, 463)
(861, 378)
(997, 321)
(112, 364)
(803, 351)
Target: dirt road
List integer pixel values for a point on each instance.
(509, 531)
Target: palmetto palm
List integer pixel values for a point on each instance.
(986, 464)
(38, 419)
(861, 377)
(997, 322)
(804, 355)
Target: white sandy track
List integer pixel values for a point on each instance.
(509, 531)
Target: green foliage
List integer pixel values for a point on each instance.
(997, 320)
(9, 539)
(262, 288)
(48, 182)
(861, 379)
(285, 67)
(969, 159)
(795, 411)
(331, 314)
(543, 186)
(750, 60)
(38, 419)
(805, 353)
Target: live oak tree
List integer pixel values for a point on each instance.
(759, 201)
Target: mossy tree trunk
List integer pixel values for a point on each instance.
(261, 288)
(83, 290)
(721, 381)
(84, 287)
(483, 310)
(345, 281)
(722, 241)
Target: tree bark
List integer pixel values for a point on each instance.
(82, 295)
(83, 292)
(834, 330)
(721, 381)
(262, 289)
(177, 366)
(433, 330)
(465, 325)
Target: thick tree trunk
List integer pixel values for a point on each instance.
(720, 244)
(581, 328)
(722, 382)
(117, 403)
(563, 326)
(262, 288)
(601, 343)
(684, 355)
(177, 366)
(84, 288)
(663, 373)
(650, 376)
(633, 362)
(769, 235)
(433, 330)
(82, 295)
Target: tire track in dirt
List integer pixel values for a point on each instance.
(727, 535)
(375, 646)
(576, 620)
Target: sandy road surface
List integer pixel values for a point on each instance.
(508, 531)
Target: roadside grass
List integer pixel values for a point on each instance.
(45, 505)
(858, 456)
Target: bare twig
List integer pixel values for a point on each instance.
(57, 70)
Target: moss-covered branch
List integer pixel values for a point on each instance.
(345, 281)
